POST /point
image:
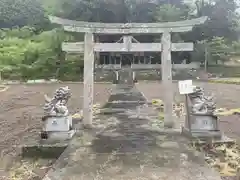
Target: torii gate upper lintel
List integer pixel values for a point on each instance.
(88, 47)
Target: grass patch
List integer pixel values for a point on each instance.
(226, 81)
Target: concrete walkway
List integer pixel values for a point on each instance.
(122, 146)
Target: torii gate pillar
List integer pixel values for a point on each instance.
(167, 79)
(88, 79)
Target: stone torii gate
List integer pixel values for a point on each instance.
(89, 47)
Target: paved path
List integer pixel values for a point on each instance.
(124, 146)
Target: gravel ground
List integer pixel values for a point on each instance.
(20, 118)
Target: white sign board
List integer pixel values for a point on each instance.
(185, 87)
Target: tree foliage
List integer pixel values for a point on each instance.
(168, 12)
(26, 55)
(19, 13)
(218, 49)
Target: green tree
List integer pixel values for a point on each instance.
(223, 19)
(22, 13)
(168, 12)
(32, 56)
(219, 49)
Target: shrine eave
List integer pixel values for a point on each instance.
(128, 28)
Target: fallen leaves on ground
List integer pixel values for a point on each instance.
(161, 116)
(227, 112)
(25, 170)
(225, 158)
(157, 102)
(178, 108)
(79, 116)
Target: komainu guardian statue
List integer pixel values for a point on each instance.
(56, 117)
(202, 104)
(201, 120)
(57, 105)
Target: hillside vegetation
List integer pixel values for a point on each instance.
(30, 46)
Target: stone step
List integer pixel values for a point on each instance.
(122, 105)
(126, 97)
(107, 110)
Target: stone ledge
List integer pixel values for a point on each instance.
(43, 150)
(52, 147)
(106, 111)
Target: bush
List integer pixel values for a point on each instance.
(225, 71)
(26, 55)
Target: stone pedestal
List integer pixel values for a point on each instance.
(57, 128)
(202, 126)
(58, 123)
(57, 135)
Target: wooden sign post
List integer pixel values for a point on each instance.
(186, 87)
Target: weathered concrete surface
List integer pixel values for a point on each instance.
(123, 146)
